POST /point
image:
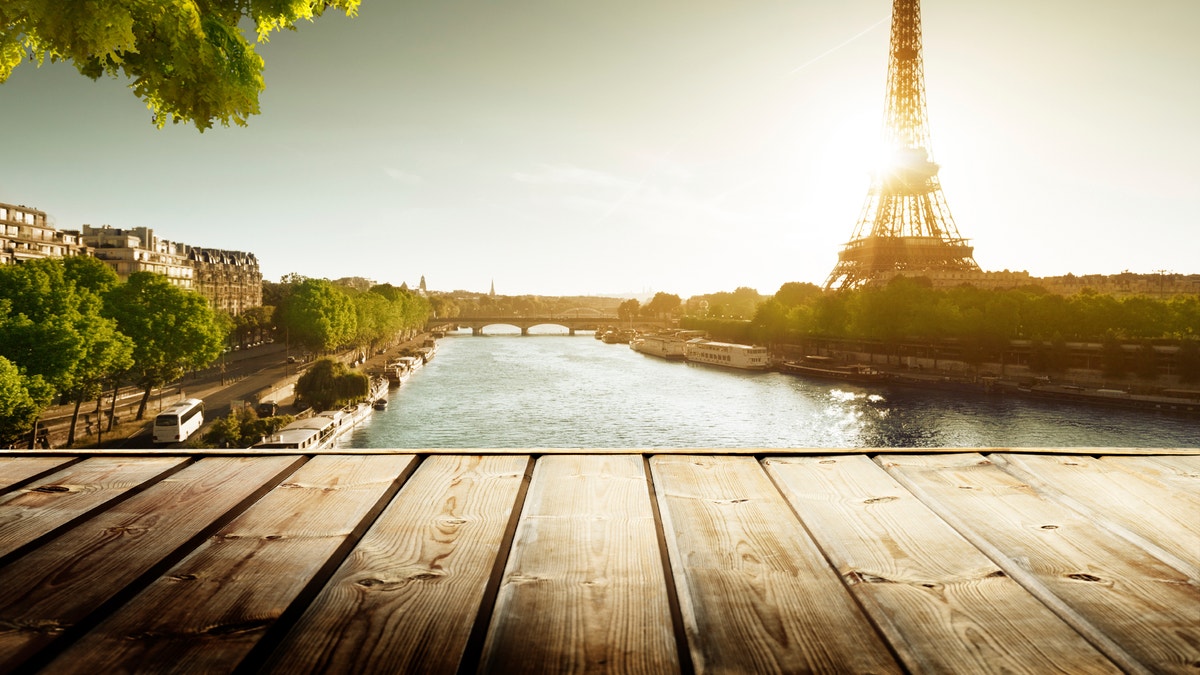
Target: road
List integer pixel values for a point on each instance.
(242, 374)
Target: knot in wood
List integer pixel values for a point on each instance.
(50, 489)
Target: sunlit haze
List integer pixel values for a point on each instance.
(694, 146)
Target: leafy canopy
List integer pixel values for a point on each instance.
(188, 59)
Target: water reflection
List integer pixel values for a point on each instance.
(556, 391)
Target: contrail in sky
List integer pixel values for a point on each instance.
(831, 50)
(629, 194)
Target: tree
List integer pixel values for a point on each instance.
(629, 309)
(317, 315)
(22, 400)
(795, 294)
(330, 384)
(663, 304)
(188, 59)
(107, 353)
(173, 330)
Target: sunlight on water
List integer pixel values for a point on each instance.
(554, 391)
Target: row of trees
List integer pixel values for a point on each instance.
(69, 328)
(980, 324)
(321, 315)
(911, 309)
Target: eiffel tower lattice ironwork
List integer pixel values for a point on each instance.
(905, 225)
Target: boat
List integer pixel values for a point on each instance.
(727, 354)
(323, 429)
(825, 368)
(380, 404)
(670, 345)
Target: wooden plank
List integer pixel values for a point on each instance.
(46, 592)
(755, 592)
(584, 589)
(406, 599)
(941, 603)
(1153, 515)
(1135, 608)
(1181, 474)
(14, 470)
(209, 610)
(47, 503)
(757, 452)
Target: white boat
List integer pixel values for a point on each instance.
(745, 357)
(670, 345)
(323, 429)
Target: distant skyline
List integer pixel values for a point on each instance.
(681, 146)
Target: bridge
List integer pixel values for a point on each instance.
(572, 322)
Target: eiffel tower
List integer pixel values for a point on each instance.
(905, 225)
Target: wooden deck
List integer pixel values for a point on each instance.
(444, 562)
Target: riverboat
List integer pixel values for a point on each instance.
(824, 368)
(729, 355)
(670, 345)
(618, 337)
(322, 429)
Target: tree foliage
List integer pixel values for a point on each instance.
(322, 315)
(317, 315)
(330, 384)
(173, 329)
(187, 59)
(243, 428)
(911, 309)
(22, 400)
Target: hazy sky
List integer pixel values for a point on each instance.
(688, 146)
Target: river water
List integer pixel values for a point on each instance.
(558, 391)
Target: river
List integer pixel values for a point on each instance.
(559, 391)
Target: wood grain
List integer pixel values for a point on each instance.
(943, 605)
(208, 611)
(757, 452)
(584, 589)
(756, 593)
(47, 503)
(1139, 611)
(1153, 515)
(407, 597)
(46, 592)
(14, 470)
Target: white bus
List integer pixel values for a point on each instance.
(178, 421)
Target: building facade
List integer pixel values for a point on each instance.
(230, 280)
(26, 233)
(139, 250)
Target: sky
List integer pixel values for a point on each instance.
(630, 147)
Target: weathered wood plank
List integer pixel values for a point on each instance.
(756, 594)
(406, 599)
(584, 589)
(13, 470)
(1138, 610)
(942, 604)
(45, 504)
(1181, 474)
(49, 590)
(1153, 515)
(208, 612)
(758, 452)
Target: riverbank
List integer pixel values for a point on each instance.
(244, 377)
(1138, 397)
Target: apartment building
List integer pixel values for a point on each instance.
(139, 250)
(26, 233)
(230, 280)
